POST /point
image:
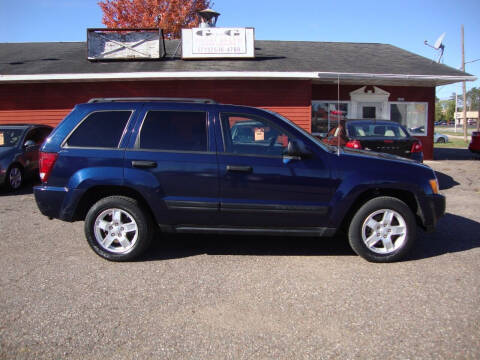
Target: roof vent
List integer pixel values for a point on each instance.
(208, 18)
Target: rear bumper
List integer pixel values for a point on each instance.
(57, 202)
(432, 208)
(418, 156)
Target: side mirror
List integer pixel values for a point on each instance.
(29, 143)
(297, 149)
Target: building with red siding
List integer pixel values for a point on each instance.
(310, 83)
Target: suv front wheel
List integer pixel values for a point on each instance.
(117, 229)
(382, 230)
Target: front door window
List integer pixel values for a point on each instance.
(253, 135)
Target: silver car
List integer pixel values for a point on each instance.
(440, 138)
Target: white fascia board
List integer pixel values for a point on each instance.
(162, 76)
(360, 76)
(193, 75)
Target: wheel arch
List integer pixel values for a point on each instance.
(96, 193)
(406, 196)
(17, 163)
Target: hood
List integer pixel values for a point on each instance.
(377, 155)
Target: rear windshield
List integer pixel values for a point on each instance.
(10, 137)
(376, 130)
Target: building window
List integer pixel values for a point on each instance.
(412, 115)
(325, 115)
(369, 112)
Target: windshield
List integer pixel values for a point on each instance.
(308, 135)
(10, 137)
(358, 130)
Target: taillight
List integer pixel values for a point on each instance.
(46, 161)
(354, 144)
(417, 146)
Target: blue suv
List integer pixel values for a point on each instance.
(131, 166)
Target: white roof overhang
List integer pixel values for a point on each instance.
(315, 77)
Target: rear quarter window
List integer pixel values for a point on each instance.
(102, 129)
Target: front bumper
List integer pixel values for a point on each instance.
(432, 208)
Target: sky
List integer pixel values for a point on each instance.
(405, 24)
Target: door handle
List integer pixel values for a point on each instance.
(239, 168)
(144, 164)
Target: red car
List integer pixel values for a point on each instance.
(475, 143)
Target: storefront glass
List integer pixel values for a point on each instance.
(412, 115)
(325, 115)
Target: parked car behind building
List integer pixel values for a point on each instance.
(440, 138)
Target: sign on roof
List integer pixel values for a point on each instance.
(200, 43)
(125, 44)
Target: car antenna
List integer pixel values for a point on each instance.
(338, 107)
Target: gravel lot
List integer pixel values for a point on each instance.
(243, 298)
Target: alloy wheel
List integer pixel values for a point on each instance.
(384, 231)
(15, 178)
(116, 231)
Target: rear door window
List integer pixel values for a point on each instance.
(174, 131)
(102, 129)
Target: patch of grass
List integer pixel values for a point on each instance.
(453, 143)
(450, 131)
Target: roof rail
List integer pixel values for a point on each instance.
(159, 99)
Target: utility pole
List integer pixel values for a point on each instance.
(464, 92)
(478, 113)
(456, 110)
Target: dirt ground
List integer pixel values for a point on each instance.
(207, 297)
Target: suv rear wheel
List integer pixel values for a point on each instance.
(382, 230)
(118, 229)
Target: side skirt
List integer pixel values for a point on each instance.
(314, 231)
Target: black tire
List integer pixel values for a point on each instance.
(384, 245)
(14, 178)
(132, 213)
(441, 140)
